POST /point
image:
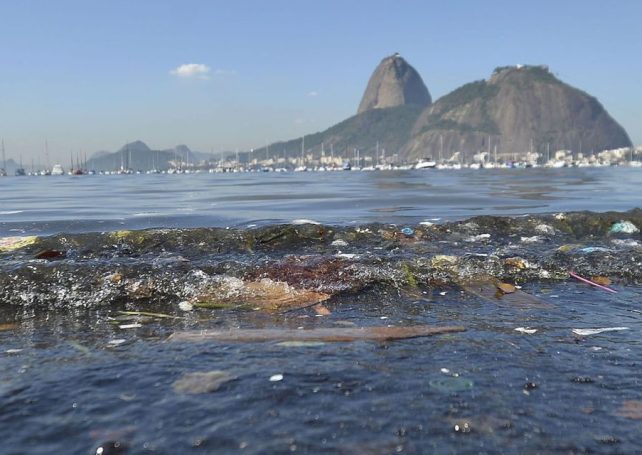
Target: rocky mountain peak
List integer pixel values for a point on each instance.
(394, 83)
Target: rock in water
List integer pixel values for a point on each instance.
(394, 83)
(517, 110)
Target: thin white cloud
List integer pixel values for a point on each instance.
(192, 70)
(313, 93)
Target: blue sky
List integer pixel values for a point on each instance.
(91, 75)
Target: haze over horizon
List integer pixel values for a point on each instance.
(89, 76)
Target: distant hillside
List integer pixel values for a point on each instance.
(389, 127)
(138, 156)
(516, 110)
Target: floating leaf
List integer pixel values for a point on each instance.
(506, 288)
(602, 280)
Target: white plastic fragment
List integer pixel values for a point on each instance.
(533, 239)
(525, 330)
(185, 306)
(130, 326)
(276, 378)
(585, 332)
(13, 351)
(117, 341)
(445, 371)
(339, 242)
(545, 229)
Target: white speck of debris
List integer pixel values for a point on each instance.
(339, 242)
(533, 239)
(130, 326)
(559, 216)
(13, 351)
(117, 341)
(427, 223)
(185, 306)
(584, 332)
(445, 371)
(545, 229)
(383, 317)
(276, 378)
(346, 255)
(443, 293)
(525, 330)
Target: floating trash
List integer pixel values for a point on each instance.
(624, 227)
(525, 330)
(586, 332)
(408, 231)
(130, 326)
(631, 409)
(597, 285)
(451, 384)
(14, 243)
(202, 382)
(300, 344)
(276, 378)
(386, 333)
(506, 288)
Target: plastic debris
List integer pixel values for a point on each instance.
(624, 227)
(339, 242)
(304, 221)
(117, 341)
(14, 243)
(408, 231)
(152, 315)
(525, 330)
(594, 249)
(586, 332)
(584, 280)
(487, 290)
(202, 382)
(533, 239)
(477, 238)
(451, 384)
(185, 306)
(545, 229)
(276, 378)
(130, 326)
(321, 334)
(300, 344)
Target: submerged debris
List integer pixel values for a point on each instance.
(202, 382)
(321, 334)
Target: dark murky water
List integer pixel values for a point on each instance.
(81, 373)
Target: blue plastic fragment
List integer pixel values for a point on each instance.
(624, 227)
(408, 231)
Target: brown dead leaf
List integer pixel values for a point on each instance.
(321, 310)
(265, 294)
(506, 288)
(8, 326)
(601, 280)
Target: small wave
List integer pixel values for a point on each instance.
(10, 212)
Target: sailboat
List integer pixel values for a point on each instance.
(3, 172)
(20, 172)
